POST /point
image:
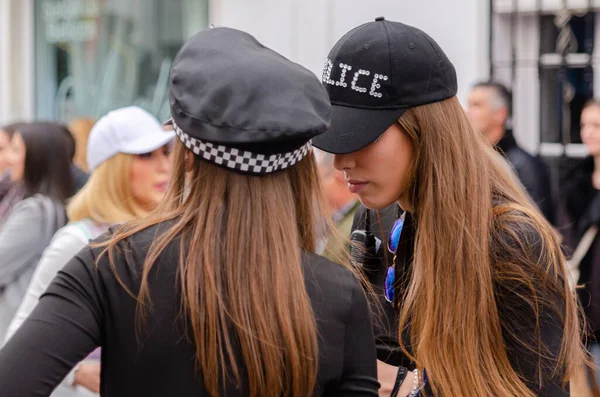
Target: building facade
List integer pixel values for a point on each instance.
(67, 59)
(64, 59)
(545, 51)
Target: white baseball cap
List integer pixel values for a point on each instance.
(129, 130)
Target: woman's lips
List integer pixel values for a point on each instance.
(356, 186)
(162, 186)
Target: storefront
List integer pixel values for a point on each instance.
(92, 56)
(64, 59)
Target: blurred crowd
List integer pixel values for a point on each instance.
(63, 185)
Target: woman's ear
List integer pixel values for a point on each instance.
(189, 161)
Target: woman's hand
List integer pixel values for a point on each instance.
(386, 375)
(88, 376)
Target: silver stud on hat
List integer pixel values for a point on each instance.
(327, 72)
(353, 85)
(355, 79)
(344, 68)
(375, 85)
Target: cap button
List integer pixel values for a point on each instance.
(379, 19)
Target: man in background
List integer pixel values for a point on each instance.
(489, 109)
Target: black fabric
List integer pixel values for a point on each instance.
(356, 135)
(580, 206)
(514, 314)
(381, 68)
(86, 307)
(532, 173)
(227, 88)
(386, 322)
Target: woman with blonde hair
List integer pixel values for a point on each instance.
(476, 276)
(128, 153)
(219, 291)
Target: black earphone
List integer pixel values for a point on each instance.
(364, 248)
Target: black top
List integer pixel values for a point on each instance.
(85, 307)
(531, 172)
(515, 314)
(581, 205)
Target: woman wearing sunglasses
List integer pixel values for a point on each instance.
(218, 292)
(478, 282)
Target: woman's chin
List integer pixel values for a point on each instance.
(375, 204)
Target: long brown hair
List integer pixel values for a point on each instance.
(479, 237)
(240, 271)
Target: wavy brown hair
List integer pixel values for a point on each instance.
(480, 243)
(239, 271)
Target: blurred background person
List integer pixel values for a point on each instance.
(129, 155)
(489, 109)
(342, 203)
(80, 129)
(10, 192)
(580, 204)
(39, 160)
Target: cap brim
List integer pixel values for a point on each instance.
(149, 143)
(352, 129)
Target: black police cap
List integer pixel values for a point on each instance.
(373, 74)
(243, 106)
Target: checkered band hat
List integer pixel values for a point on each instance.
(239, 160)
(242, 106)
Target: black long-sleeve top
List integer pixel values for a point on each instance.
(516, 316)
(86, 307)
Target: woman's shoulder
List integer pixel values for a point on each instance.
(330, 285)
(129, 246)
(522, 228)
(80, 232)
(85, 229)
(324, 270)
(525, 248)
(38, 204)
(33, 207)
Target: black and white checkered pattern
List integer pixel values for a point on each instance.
(241, 160)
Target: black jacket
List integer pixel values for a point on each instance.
(86, 307)
(386, 319)
(581, 208)
(532, 173)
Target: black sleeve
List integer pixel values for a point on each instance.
(518, 317)
(534, 177)
(359, 377)
(385, 318)
(526, 362)
(62, 330)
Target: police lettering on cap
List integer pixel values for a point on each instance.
(373, 74)
(241, 105)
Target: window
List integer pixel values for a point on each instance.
(544, 52)
(93, 56)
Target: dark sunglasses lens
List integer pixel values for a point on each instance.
(389, 284)
(394, 238)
